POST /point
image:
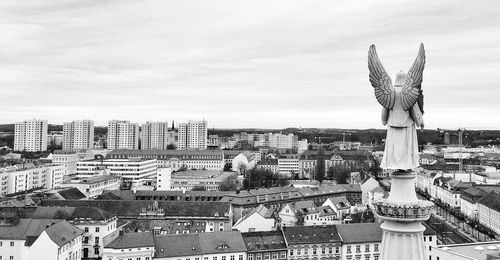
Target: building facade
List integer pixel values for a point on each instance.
(123, 135)
(16, 179)
(30, 135)
(78, 135)
(193, 135)
(155, 136)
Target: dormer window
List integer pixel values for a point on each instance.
(222, 246)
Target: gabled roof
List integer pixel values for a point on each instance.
(491, 200)
(63, 232)
(59, 231)
(71, 194)
(326, 211)
(197, 244)
(124, 208)
(305, 206)
(261, 210)
(340, 202)
(311, 235)
(132, 240)
(262, 241)
(360, 233)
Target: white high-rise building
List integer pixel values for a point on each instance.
(155, 136)
(30, 135)
(78, 135)
(193, 135)
(123, 135)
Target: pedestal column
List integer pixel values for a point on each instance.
(403, 214)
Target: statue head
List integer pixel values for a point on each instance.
(400, 79)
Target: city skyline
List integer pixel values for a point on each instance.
(244, 64)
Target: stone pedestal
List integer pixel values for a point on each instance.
(403, 214)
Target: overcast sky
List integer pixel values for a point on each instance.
(267, 64)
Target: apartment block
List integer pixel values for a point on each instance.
(193, 135)
(30, 135)
(123, 135)
(78, 135)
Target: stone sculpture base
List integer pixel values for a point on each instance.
(403, 241)
(403, 213)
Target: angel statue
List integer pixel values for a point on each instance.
(402, 110)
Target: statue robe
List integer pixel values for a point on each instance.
(401, 143)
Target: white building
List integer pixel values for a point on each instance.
(282, 141)
(209, 180)
(469, 251)
(212, 160)
(288, 164)
(258, 219)
(164, 179)
(67, 158)
(95, 185)
(202, 246)
(123, 135)
(30, 135)
(78, 135)
(135, 171)
(302, 146)
(155, 136)
(31, 239)
(138, 246)
(16, 178)
(193, 135)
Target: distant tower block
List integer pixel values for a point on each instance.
(446, 138)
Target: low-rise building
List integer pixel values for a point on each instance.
(258, 219)
(308, 242)
(360, 241)
(135, 172)
(288, 164)
(469, 251)
(209, 180)
(25, 177)
(269, 165)
(66, 158)
(29, 239)
(212, 160)
(265, 245)
(95, 185)
(201, 246)
(138, 246)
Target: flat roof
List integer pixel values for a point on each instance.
(479, 251)
(91, 180)
(201, 174)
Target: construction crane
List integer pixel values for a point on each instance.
(460, 146)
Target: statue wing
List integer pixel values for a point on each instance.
(411, 91)
(380, 80)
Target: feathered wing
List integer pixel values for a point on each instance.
(380, 80)
(412, 91)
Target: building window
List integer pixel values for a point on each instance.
(96, 251)
(367, 248)
(258, 257)
(275, 255)
(314, 251)
(250, 256)
(86, 229)
(267, 256)
(282, 255)
(358, 249)
(349, 250)
(97, 240)
(223, 257)
(430, 239)
(375, 248)
(214, 258)
(11, 243)
(240, 257)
